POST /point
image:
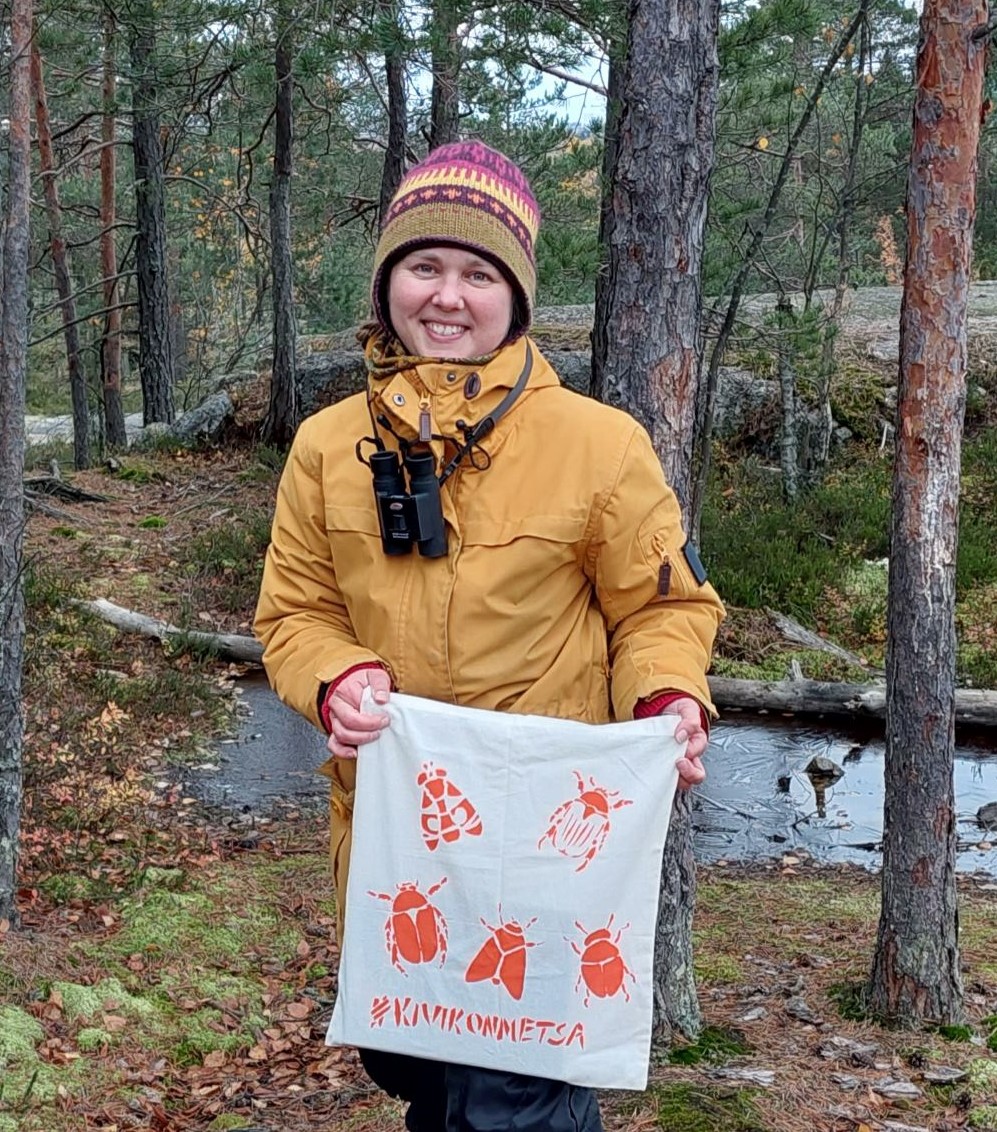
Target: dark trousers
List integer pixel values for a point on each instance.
(462, 1098)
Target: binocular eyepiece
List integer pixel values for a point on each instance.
(412, 516)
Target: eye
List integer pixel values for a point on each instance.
(479, 275)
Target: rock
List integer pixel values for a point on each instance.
(842, 435)
(798, 1008)
(945, 1075)
(890, 395)
(747, 406)
(896, 1089)
(826, 770)
(764, 1078)
(885, 349)
(755, 1014)
(986, 816)
(837, 1046)
(896, 1126)
(206, 421)
(845, 1081)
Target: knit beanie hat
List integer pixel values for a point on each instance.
(468, 194)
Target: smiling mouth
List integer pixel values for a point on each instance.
(444, 329)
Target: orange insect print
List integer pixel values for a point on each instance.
(502, 957)
(580, 826)
(602, 968)
(447, 814)
(415, 930)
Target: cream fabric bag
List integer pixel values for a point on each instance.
(503, 891)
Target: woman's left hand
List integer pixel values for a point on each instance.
(690, 731)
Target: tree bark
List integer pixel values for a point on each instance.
(916, 969)
(394, 70)
(650, 343)
(154, 330)
(60, 267)
(788, 456)
(13, 365)
(110, 347)
(282, 414)
(444, 106)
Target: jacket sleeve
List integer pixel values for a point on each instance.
(301, 618)
(661, 620)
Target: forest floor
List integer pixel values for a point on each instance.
(173, 968)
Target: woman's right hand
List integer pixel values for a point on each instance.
(349, 726)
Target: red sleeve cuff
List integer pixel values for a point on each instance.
(656, 704)
(326, 690)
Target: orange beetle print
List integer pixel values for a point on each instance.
(580, 826)
(446, 812)
(502, 957)
(602, 968)
(415, 930)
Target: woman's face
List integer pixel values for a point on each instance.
(449, 303)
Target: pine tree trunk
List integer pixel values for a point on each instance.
(444, 106)
(916, 975)
(110, 349)
(13, 364)
(154, 331)
(60, 268)
(282, 414)
(394, 155)
(650, 345)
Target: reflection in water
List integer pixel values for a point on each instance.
(768, 792)
(763, 797)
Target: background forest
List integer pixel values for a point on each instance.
(205, 74)
(208, 178)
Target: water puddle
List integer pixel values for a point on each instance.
(758, 802)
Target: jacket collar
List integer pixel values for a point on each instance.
(455, 391)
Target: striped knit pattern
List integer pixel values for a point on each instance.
(468, 194)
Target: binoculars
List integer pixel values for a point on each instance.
(412, 516)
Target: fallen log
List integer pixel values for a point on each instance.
(226, 646)
(973, 706)
(793, 631)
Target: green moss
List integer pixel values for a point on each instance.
(956, 1033)
(983, 1078)
(228, 1122)
(89, 1002)
(92, 1038)
(24, 1078)
(19, 1034)
(717, 969)
(696, 1109)
(63, 887)
(984, 1117)
(852, 1000)
(170, 879)
(714, 1045)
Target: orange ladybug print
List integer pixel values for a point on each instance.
(446, 813)
(415, 930)
(502, 957)
(579, 827)
(602, 967)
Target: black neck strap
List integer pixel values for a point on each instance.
(487, 423)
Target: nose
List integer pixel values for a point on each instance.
(448, 293)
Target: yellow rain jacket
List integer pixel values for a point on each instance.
(565, 591)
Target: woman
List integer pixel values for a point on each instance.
(542, 567)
